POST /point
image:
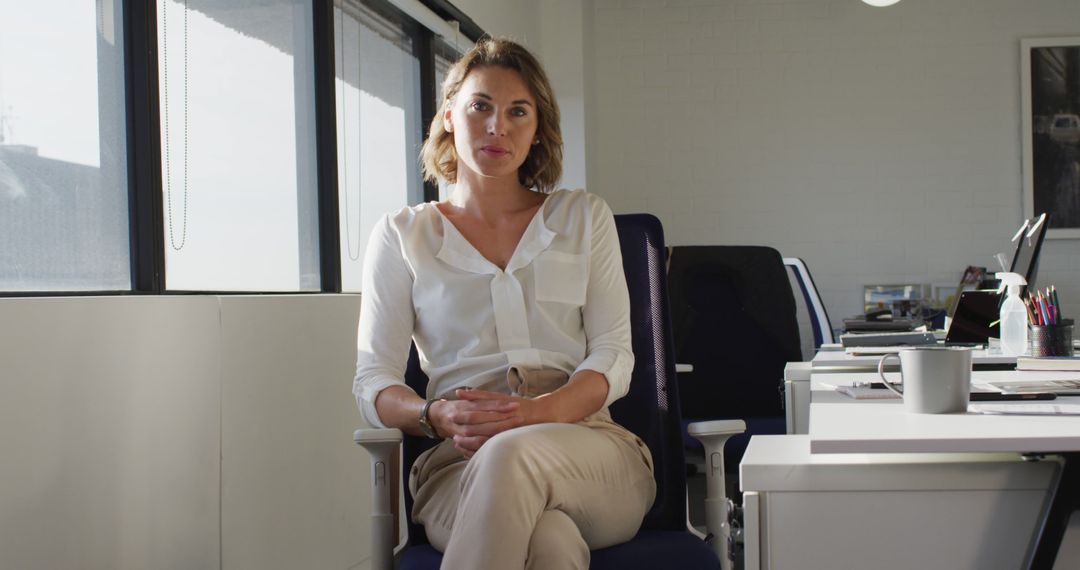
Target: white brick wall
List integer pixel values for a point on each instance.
(880, 144)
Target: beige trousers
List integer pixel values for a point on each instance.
(536, 497)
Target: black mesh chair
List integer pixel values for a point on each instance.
(650, 410)
(735, 322)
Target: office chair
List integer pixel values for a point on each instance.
(819, 319)
(734, 321)
(650, 410)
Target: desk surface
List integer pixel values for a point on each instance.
(840, 358)
(839, 424)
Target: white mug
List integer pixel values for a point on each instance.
(935, 380)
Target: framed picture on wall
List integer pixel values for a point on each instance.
(1050, 96)
(903, 300)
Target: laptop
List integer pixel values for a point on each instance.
(975, 318)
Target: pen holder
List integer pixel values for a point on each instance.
(1051, 340)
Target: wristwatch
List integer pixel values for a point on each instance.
(425, 423)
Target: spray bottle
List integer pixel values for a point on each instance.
(1014, 316)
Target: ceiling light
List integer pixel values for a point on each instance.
(881, 3)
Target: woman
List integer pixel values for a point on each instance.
(516, 300)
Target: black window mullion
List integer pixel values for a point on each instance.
(424, 41)
(144, 148)
(326, 147)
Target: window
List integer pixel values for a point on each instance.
(190, 146)
(63, 167)
(236, 88)
(378, 131)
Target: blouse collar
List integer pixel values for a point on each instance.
(459, 252)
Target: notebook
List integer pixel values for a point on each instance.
(1048, 363)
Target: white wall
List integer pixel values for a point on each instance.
(560, 47)
(180, 432)
(882, 145)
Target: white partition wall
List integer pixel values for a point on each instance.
(292, 480)
(109, 433)
(180, 432)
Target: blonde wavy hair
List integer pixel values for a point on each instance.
(543, 166)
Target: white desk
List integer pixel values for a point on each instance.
(857, 426)
(837, 361)
(838, 473)
(885, 511)
(839, 424)
(842, 361)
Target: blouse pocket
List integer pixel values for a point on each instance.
(561, 277)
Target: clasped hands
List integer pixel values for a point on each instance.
(478, 415)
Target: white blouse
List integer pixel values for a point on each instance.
(561, 302)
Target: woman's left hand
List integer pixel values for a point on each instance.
(584, 394)
(531, 412)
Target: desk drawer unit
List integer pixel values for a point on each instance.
(886, 511)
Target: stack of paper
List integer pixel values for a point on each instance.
(865, 392)
(1069, 387)
(1027, 409)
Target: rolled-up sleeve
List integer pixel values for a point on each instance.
(386, 320)
(606, 312)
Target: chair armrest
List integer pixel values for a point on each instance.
(365, 436)
(713, 435)
(383, 445)
(716, 427)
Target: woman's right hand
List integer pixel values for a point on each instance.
(472, 422)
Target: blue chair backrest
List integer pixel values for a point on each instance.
(820, 324)
(651, 408)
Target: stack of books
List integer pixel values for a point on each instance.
(1056, 363)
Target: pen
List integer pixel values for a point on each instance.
(1049, 306)
(982, 396)
(1000, 397)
